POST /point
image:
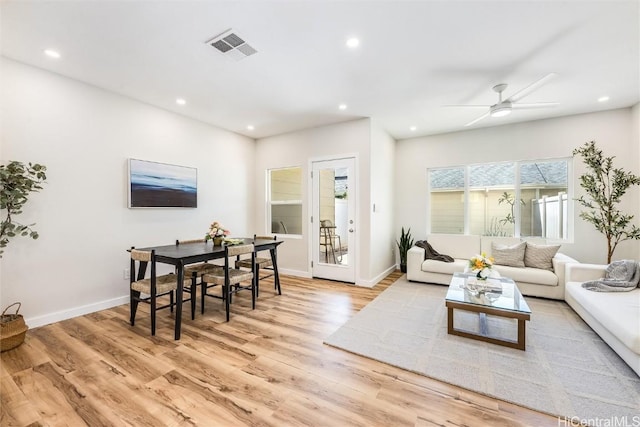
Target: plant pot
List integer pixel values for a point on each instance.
(217, 241)
(403, 268)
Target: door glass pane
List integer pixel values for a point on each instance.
(544, 188)
(447, 200)
(334, 219)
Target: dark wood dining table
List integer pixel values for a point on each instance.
(182, 254)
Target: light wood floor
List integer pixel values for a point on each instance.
(264, 367)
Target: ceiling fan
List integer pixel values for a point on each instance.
(504, 107)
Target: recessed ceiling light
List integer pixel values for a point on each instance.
(52, 53)
(250, 127)
(603, 99)
(342, 106)
(180, 101)
(412, 128)
(353, 42)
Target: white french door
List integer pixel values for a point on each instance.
(333, 219)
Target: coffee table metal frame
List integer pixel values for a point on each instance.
(483, 310)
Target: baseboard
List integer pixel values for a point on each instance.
(371, 283)
(296, 273)
(364, 283)
(34, 322)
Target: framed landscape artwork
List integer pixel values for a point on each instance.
(160, 185)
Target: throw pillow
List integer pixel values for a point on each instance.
(540, 256)
(508, 255)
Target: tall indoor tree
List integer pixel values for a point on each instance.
(17, 181)
(604, 186)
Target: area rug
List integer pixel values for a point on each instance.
(566, 371)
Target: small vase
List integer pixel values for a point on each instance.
(217, 241)
(480, 278)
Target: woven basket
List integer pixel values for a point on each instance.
(12, 329)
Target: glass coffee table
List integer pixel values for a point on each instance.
(498, 297)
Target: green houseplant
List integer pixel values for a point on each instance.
(17, 181)
(404, 244)
(604, 186)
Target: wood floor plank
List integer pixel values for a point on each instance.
(241, 412)
(266, 367)
(63, 350)
(226, 378)
(58, 401)
(117, 397)
(15, 408)
(31, 353)
(194, 408)
(331, 395)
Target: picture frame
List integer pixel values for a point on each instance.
(161, 185)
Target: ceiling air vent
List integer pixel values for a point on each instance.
(232, 45)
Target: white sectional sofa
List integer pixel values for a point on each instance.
(615, 316)
(531, 281)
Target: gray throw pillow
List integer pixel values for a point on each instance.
(508, 255)
(540, 256)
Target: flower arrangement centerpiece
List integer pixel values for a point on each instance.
(217, 233)
(481, 265)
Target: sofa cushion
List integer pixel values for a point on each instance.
(433, 266)
(528, 275)
(508, 255)
(486, 242)
(618, 312)
(540, 256)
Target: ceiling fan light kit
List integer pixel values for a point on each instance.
(501, 110)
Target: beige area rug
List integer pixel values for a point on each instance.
(566, 371)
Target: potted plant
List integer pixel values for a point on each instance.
(604, 186)
(17, 181)
(404, 244)
(217, 233)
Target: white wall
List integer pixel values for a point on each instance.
(383, 232)
(84, 136)
(553, 138)
(297, 149)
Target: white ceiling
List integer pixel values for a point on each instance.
(414, 57)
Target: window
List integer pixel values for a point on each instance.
(544, 195)
(491, 189)
(526, 198)
(447, 200)
(284, 211)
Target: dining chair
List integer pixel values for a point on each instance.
(150, 289)
(229, 277)
(198, 270)
(328, 239)
(263, 262)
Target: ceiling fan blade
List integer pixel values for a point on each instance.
(523, 106)
(532, 87)
(467, 105)
(472, 122)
